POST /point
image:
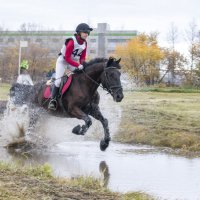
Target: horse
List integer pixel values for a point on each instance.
(81, 100)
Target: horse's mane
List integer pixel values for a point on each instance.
(94, 61)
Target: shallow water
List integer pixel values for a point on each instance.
(121, 167)
(159, 174)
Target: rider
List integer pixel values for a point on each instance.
(72, 55)
(24, 78)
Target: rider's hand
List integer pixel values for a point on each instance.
(80, 67)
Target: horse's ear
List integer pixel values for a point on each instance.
(118, 61)
(110, 61)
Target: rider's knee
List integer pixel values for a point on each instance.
(57, 83)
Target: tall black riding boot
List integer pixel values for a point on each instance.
(53, 101)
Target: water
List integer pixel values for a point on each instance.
(121, 167)
(128, 169)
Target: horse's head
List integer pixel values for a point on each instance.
(111, 79)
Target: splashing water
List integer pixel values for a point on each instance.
(14, 123)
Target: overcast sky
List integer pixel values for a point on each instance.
(140, 15)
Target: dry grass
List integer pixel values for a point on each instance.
(22, 183)
(161, 119)
(4, 91)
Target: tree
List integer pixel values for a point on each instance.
(141, 56)
(29, 27)
(197, 67)
(172, 35)
(172, 54)
(37, 56)
(174, 64)
(191, 34)
(9, 63)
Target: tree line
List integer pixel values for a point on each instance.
(148, 63)
(38, 58)
(142, 58)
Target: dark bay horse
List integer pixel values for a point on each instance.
(82, 98)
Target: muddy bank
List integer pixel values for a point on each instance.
(21, 186)
(37, 183)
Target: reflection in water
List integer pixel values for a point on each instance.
(104, 170)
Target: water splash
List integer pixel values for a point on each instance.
(14, 123)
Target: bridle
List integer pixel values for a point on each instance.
(108, 88)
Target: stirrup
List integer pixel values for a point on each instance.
(53, 105)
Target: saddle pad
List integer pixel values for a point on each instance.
(47, 92)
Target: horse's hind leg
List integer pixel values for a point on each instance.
(96, 113)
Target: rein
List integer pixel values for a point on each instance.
(109, 89)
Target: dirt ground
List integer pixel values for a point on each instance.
(15, 185)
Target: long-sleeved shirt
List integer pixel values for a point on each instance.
(69, 50)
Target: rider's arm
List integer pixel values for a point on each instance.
(68, 53)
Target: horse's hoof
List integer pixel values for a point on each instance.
(103, 145)
(76, 130)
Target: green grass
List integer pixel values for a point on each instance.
(40, 171)
(168, 90)
(137, 196)
(161, 119)
(4, 91)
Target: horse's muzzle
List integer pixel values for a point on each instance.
(118, 96)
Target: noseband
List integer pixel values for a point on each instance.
(112, 89)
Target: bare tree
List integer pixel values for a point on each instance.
(29, 27)
(172, 38)
(173, 61)
(172, 35)
(191, 35)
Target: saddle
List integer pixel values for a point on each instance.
(64, 86)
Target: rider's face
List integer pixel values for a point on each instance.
(84, 35)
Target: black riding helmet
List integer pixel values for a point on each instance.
(83, 28)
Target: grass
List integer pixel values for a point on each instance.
(4, 91)
(22, 183)
(161, 119)
(168, 90)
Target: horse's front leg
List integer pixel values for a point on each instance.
(78, 113)
(96, 113)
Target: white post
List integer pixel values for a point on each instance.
(21, 44)
(19, 60)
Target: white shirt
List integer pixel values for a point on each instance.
(24, 79)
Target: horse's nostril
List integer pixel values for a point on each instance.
(119, 96)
